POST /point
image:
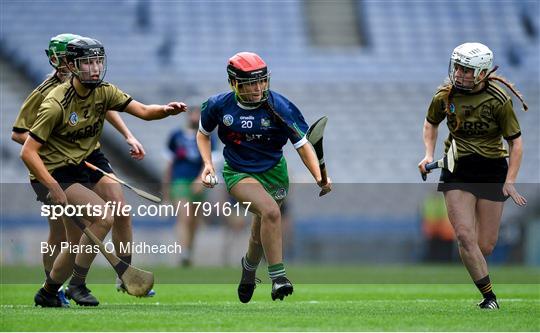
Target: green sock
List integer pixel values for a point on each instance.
(277, 270)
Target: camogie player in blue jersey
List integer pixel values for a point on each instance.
(181, 184)
(254, 123)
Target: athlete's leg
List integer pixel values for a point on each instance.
(266, 208)
(57, 235)
(186, 226)
(255, 250)
(461, 206)
(77, 194)
(49, 295)
(63, 265)
(488, 222)
(122, 233)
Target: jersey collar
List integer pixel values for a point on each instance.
(243, 107)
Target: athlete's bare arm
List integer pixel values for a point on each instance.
(516, 153)
(430, 133)
(308, 156)
(30, 157)
(205, 148)
(137, 149)
(19, 137)
(155, 111)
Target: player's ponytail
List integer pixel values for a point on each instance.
(511, 87)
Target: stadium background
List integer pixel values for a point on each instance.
(371, 66)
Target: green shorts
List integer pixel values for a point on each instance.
(275, 181)
(181, 189)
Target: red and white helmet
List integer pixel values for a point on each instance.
(476, 56)
(249, 78)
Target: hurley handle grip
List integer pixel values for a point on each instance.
(432, 165)
(429, 167)
(324, 178)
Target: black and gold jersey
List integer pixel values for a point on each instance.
(486, 117)
(69, 125)
(29, 109)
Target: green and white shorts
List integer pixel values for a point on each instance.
(275, 181)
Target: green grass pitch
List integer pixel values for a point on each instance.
(339, 305)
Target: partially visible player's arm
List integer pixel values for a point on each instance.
(205, 149)
(429, 134)
(19, 137)
(30, 157)
(137, 149)
(308, 156)
(514, 162)
(154, 111)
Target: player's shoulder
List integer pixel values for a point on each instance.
(442, 92)
(277, 97)
(221, 97)
(105, 86)
(281, 102)
(63, 94)
(219, 100)
(47, 85)
(497, 92)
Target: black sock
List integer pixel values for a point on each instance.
(484, 285)
(51, 286)
(79, 275)
(126, 258)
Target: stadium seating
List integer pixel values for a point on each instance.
(376, 96)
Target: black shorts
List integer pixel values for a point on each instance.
(483, 177)
(71, 174)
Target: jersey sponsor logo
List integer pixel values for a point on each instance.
(85, 132)
(73, 119)
(235, 137)
(471, 128)
(251, 137)
(228, 120)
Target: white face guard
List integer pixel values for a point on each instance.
(474, 56)
(91, 70)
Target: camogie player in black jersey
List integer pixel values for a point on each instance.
(122, 232)
(64, 135)
(479, 115)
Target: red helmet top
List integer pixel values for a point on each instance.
(246, 65)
